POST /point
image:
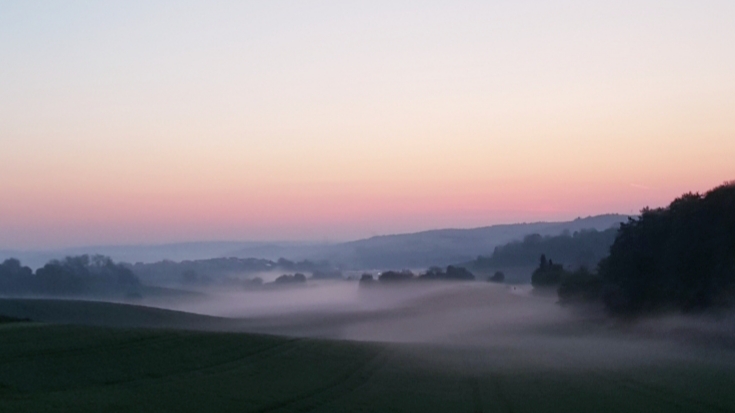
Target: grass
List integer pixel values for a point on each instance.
(107, 314)
(52, 368)
(6, 319)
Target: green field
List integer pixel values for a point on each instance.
(74, 368)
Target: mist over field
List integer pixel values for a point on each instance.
(440, 324)
(498, 326)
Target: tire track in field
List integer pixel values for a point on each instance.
(473, 381)
(476, 395)
(376, 363)
(504, 401)
(21, 338)
(172, 339)
(230, 365)
(341, 386)
(678, 399)
(669, 397)
(474, 385)
(219, 367)
(91, 349)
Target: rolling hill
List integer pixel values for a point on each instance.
(72, 368)
(447, 246)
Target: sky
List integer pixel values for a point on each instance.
(129, 122)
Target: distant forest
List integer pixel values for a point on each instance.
(452, 273)
(579, 249)
(72, 276)
(224, 270)
(98, 275)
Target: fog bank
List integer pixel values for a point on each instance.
(490, 325)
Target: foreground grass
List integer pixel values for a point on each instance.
(68, 368)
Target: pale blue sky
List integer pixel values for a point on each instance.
(119, 119)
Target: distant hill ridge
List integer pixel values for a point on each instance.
(411, 250)
(447, 246)
(599, 222)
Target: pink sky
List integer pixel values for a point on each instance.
(143, 123)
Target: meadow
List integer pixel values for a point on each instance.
(65, 366)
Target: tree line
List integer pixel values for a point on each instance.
(72, 276)
(451, 273)
(680, 257)
(578, 249)
(224, 270)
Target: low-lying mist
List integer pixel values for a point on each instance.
(498, 325)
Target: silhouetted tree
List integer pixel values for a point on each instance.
(547, 274)
(498, 277)
(84, 275)
(459, 274)
(580, 286)
(396, 276)
(367, 280)
(15, 278)
(297, 278)
(452, 273)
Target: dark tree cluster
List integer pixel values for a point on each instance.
(580, 286)
(72, 276)
(15, 278)
(220, 270)
(452, 273)
(572, 286)
(396, 276)
(498, 277)
(304, 266)
(679, 257)
(297, 278)
(547, 274)
(367, 279)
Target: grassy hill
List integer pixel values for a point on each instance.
(69, 368)
(52, 368)
(98, 313)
